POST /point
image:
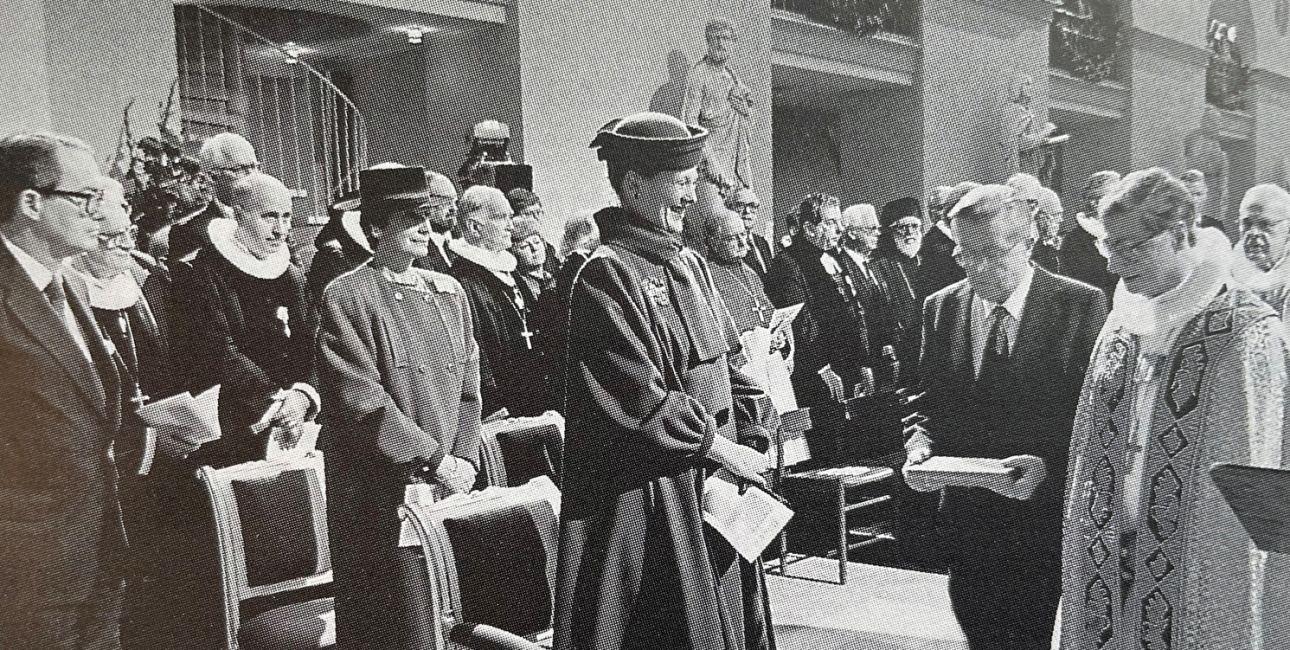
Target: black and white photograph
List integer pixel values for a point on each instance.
(644, 325)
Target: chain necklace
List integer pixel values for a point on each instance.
(742, 279)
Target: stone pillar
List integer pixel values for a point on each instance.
(1166, 78)
(72, 66)
(971, 51)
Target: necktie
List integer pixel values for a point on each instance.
(57, 298)
(994, 362)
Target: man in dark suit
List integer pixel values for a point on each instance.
(872, 296)
(1004, 355)
(831, 341)
(61, 530)
(443, 218)
(745, 203)
(1198, 188)
(939, 268)
(1083, 256)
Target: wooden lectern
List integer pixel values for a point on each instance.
(1260, 497)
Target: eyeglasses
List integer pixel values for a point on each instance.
(745, 207)
(89, 203)
(868, 230)
(686, 183)
(123, 239)
(906, 228)
(240, 170)
(1132, 250)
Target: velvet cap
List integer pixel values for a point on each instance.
(650, 142)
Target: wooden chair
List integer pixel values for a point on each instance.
(515, 450)
(489, 562)
(271, 526)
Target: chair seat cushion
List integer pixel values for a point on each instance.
(301, 626)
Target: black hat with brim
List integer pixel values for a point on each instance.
(651, 142)
(394, 185)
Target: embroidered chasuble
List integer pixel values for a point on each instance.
(1153, 557)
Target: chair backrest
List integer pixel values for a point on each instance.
(516, 450)
(271, 525)
(490, 558)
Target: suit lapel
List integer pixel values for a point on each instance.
(31, 310)
(1037, 321)
(959, 305)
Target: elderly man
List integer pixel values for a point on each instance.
(226, 158)
(1189, 371)
(656, 403)
(899, 261)
(511, 374)
(939, 268)
(872, 295)
(1004, 354)
(1198, 188)
(831, 338)
(247, 310)
(739, 286)
(1083, 255)
(744, 202)
(60, 520)
(443, 220)
(1049, 216)
(1261, 253)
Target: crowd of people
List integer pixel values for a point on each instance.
(1108, 365)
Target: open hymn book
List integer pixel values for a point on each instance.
(749, 521)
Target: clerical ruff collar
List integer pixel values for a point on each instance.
(495, 261)
(1151, 318)
(223, 237)
(113, 294)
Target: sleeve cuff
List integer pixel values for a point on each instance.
(315, 400)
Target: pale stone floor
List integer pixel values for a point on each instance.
(880, 608)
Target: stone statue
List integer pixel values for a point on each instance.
(717, 100)
(1023, 138)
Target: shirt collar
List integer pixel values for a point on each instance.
(40, 275)
(1016, 302)
(440, 239)
(945, 228)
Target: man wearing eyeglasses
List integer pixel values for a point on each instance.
(1260, 261)
(511, 372)
(745, 203)
(1004, 355)
(1189, 371)
(63, 541)
(899, 261)
(226, 158)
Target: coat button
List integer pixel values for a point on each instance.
(421, 368)
(452, 367)
(398, 295)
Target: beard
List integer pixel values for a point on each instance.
(909, 248)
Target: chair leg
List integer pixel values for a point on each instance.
(842, 535)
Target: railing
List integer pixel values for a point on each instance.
(1225, 82)
(864, 17)
(306, 131)
(1083, 46)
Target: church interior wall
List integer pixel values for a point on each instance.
(1166, 103)
(1095, 145)
(970, 54)
(585, 63)
(125, 50)
(880, 138)
(807, 158)
(1272, 133)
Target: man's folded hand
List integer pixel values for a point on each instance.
(1028, 472)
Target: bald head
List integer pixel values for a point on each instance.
(860, 228)
(1265, 225)
(485, 218)
(728, 237)
(262, 206)
(227, 158)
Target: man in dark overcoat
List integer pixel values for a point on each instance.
(656, 403)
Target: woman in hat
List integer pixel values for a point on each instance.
(654, 406)
(400, 370)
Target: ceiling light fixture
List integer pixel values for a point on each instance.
(291, 53)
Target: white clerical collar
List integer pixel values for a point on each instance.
(223, 237)
(1256, 279)
(1016, 301)
(118, 292)
(830, 264)
(1151, 318)
(351, 222)
(495, 261)
(40, 274)
(441, 239)
(857, 257)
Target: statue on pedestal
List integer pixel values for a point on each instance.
(1023, 138)
(717, 100)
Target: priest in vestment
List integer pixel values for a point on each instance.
(656, 404)
(1261, 253)
(511, 375)
(1189, 371)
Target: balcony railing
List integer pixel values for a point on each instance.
(1083, 46)
(1225, 82)
(864, 17)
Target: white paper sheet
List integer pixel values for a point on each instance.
(182, 416)
(953, 471)
(749, 521)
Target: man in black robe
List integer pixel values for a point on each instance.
(510, 369)
(939, 268)
(899, 262)
(655, 404)
(1083, 256)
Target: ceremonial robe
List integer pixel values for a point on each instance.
(510, 369)
(399, 369)
(649, 389)
(1153, 555)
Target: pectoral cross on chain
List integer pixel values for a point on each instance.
(528, 337)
